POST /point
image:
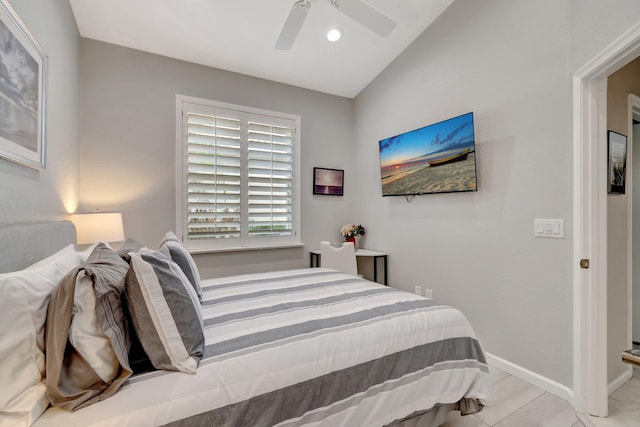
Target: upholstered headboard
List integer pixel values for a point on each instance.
(22, 244)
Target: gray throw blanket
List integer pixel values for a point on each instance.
(71, 378)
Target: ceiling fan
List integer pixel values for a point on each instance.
(355, 9)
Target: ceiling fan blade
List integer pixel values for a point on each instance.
(366, 15)
(292, 25)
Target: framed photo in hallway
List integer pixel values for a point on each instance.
(617, 169)
(23, 65)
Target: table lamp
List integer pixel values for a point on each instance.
(98, 227)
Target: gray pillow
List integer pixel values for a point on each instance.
(87, 338)
(172, 247)
(130, 245)
(163, 305)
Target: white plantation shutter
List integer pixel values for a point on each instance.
(270, 180)
(213, 186)
(237, 182)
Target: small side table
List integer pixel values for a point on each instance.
(314, 261)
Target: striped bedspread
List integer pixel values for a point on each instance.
(311, 347)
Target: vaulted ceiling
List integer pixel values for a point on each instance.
(240, 36)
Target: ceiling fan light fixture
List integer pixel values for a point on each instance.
(334, 34)
(357, 10)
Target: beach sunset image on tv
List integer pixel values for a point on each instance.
(438, 158)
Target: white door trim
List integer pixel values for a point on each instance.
(590, 221)
(590, 297)
(633, 109)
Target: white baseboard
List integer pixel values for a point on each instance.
(585, 420)
(531, 377)
(622, 378)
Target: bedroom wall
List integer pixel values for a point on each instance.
(619, 86)
(508, 62)
(596, 24)
(511, 63)
(127, 132)
(27, 194)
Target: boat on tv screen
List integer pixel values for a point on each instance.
(438, 158)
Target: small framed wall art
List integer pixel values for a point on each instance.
(23, 66)
(617, 169)
(329, 182)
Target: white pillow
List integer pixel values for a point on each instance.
(24, 298)
(47, 273)
(61, 258)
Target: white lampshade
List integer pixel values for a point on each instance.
(98, 227)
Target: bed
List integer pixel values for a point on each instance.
(301, 347)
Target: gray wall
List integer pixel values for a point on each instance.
(27, 194)
(509, 63)
(127, 130)
(619, 86)
(596, 23)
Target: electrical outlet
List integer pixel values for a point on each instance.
(417, 290)
(428, 293)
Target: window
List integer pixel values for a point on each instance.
(237, 181)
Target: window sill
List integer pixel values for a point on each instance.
(246, 249)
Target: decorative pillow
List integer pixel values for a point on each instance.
(24, 298)
(138, 359)
(173, 248)
(130, 245)
(165, 311)
(84, 254)
(87, 336)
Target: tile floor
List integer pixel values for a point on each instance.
(516, 403)
(624, 405)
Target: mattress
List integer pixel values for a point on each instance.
(307, 347)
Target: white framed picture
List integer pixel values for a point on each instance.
(23, 68)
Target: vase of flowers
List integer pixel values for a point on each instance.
(351, 233)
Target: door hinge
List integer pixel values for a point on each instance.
(584, 263)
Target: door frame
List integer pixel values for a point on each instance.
(633, 110)
(590, 221)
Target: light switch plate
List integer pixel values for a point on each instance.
(553, 228)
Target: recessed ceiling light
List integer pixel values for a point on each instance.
(334, 34)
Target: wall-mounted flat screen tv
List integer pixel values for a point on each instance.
(438, 158)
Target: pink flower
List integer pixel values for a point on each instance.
(352, 230)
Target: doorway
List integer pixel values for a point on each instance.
(634, 300)
(590, 222)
